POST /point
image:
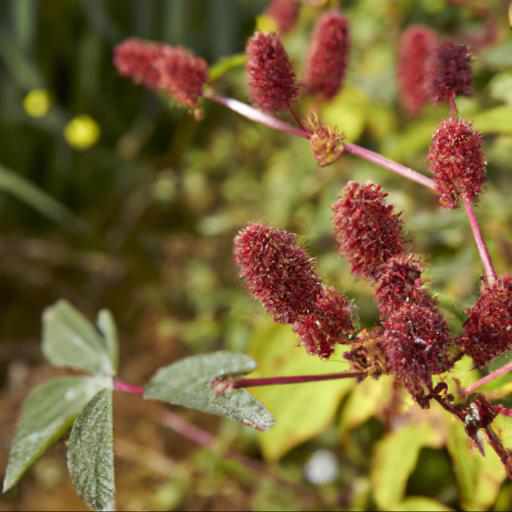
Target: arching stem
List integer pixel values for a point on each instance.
(490, 272)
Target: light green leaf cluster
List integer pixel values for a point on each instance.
(70, 340)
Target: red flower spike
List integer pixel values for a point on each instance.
(277, 271)
(159, 66)
(367, 230)
(327, 144)
(182, 74)
(488, 327)
(457, 162)
(284, 13)
(328, 55)
(271, 79)
(328, 325)
(400, 283)
(136, 58)
(418, 344)
(416, 45)
(449, 72)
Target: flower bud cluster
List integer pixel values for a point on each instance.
(367, 230)
(270, 75)
(488, 327)
(457, 162)
(160, 66)
(416, 46)
(280, 275)
(328, 55)
(284, 13)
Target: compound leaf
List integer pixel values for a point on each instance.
(188, 382)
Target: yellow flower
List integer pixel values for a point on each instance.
(82, 132)
(37, 102)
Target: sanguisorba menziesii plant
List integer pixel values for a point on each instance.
(412, 340)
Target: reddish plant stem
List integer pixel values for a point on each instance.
(262, 118)
(490, 272)
(205, 439)
(255, 115)
(448, 406)
(296, 118)
(390, 165)
(297, 379)
(488, 378)
(500, 450)
(119, 385)
(453, 108)
(201, 437)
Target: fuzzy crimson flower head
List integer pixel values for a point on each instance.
(449, 72)
(400, 283)
(284, 13)
(270, 76)
(416, 46)
(175, 70)
(277, 271)
(367, 230)
(329, 324)
(457, 162)
(182, 74)
(328, 55)
(418, 344)
(488, 327)
(136, 58)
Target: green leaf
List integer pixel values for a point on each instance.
(69, 339)
(48, 412)
(302, 411)
(421, 504)
(347, 111)
(108, 328)
(394, 460)
(495, 120)
(188, 382)
(366, 400)
(226, 64)
(91, 453)
(27, 192)
(479, 478)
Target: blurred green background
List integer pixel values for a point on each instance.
(111, 198)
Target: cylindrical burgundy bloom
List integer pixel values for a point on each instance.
(416, 45)
(182, 74)
(136, 58)
(328, 55)
(488, 327)
(367, 230)
(284, 13)
(449, 72)
(418, 344)
(457, 162)
(400, 283)
(277, 271)
(271, 78)
(329, 324)
(175, 70)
